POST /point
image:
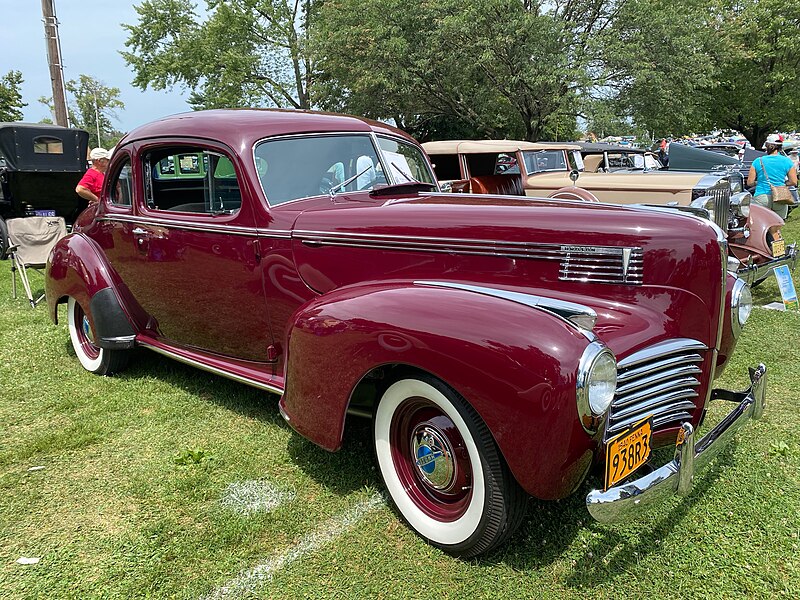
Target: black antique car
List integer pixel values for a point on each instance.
(40, 165)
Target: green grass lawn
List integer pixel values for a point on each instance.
(133, 499)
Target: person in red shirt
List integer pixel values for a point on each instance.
(92, 182)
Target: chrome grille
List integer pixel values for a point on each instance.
(661, 381)
(603, 265)
(721, 192)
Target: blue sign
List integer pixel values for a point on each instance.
(786, 286)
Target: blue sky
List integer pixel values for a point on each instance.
(91, 39)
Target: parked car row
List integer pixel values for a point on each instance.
(502, 346)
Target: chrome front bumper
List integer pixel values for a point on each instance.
(630, 498)
(752, 272)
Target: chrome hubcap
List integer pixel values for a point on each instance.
(87, 331)
(433, 457)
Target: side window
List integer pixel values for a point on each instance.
(446, 166)
(191, 180)
(122, 189)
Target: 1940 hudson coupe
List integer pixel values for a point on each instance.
(501, 346)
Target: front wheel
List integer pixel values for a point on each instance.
(95, 359)
(443, 469)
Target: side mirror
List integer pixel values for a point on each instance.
(573, 175)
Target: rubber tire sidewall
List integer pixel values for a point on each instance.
(469, 527)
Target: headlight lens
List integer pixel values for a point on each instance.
(740, 204)
(706, 203)
(597, 378)
(741, 305)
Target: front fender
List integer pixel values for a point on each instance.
(516, 365)
(77, 268)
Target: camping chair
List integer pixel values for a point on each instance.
(30, 242)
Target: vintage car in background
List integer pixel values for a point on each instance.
(501, 346)
(40, 165)
(599, 157)
(549, 169)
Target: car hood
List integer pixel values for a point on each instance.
(521, 244)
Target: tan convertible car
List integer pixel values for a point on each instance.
(546, 169)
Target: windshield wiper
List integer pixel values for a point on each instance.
(346, 182)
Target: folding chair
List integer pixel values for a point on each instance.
(31, 239)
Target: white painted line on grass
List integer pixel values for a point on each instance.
(253, 496)
(247, 582)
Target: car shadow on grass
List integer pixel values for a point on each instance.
(550, 529)
(343, 472)
(238, 397)
(350, 469)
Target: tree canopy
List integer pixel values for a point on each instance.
(11, 103)
(92, 106)
(488, 68)
(238, 53)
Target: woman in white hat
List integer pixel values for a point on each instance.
(91, 183)
(775, 169)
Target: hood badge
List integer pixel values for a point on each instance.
(626, 260)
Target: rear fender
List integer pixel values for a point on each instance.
(761, 221)
(516, 365)
(77, 268)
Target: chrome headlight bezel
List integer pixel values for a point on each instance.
(706, 203)
(740, 204)
(594, 400)
(741, 306)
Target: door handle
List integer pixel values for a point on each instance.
(139, 231)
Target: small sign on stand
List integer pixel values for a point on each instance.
(786, 286)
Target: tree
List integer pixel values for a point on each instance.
(758, 68)
(496, 67)
(244, 53)
(11, 103)
(92, 107)
(695, 65)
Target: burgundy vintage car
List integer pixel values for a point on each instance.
(502, 347)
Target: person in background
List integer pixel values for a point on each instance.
(91, 183)
(775, 169)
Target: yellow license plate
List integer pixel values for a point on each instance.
(628, 451)
(778, 248)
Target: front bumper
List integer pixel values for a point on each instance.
(752, 273)
(630, 498)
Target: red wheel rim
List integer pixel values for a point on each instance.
(431, 459)
(84, 332)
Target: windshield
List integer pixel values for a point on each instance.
(303, 167)
(544, 160)
(404, 161)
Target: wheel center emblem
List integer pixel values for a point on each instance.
(433, 457)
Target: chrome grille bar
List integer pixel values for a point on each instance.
(659, 381)
(624, 267)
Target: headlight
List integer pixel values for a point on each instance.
(707, 204)
(741, 305)
(740, 204)
(597, 380)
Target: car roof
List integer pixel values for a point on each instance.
(242, 127)
(488, 146)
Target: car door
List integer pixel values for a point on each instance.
(188, 252)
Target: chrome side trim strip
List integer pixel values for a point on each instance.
(194, 363)
(580, 316)
(193, 226)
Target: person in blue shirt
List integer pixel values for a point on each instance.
(774, 168)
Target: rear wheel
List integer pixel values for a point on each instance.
(95, 359)
(443, 469)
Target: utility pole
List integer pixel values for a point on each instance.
(54, 61)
